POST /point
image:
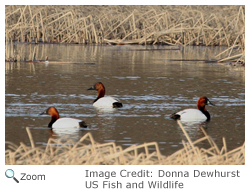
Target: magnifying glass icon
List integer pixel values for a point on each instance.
(10, 174)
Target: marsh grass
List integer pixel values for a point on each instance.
(171, 25)
(87, 151)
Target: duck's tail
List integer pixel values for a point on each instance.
(175, 116)
(82, 124)
(117, 105)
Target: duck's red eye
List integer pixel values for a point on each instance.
(98, 85)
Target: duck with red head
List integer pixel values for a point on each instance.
(101, 100)
(59, 123)
(199, 114)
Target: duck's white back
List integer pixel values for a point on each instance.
(105, 102)
(191, 115)
(66, 123)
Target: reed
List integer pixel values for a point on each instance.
(197, 25)
(172, 25)
(87, 151)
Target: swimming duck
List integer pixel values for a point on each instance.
(57, 122)
(199, 114)
(101, 100)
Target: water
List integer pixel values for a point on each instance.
(150, 85)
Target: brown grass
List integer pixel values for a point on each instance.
(172, 25)
(207, 25)
(86, 151)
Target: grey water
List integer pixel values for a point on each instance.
(152, 84)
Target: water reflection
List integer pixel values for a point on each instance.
(193, 128)
(71, 133)
(105, 111)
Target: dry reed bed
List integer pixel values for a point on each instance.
(173, 25)
(86, 151)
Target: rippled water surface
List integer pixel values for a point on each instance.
(150, 84)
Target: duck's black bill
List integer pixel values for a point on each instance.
(44, 112)
(92, 88)
(209, 102)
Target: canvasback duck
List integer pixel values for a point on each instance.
(58, 123)
(101, 100)
(199, 114)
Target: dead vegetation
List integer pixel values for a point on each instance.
(171, 25)
(86, 151)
